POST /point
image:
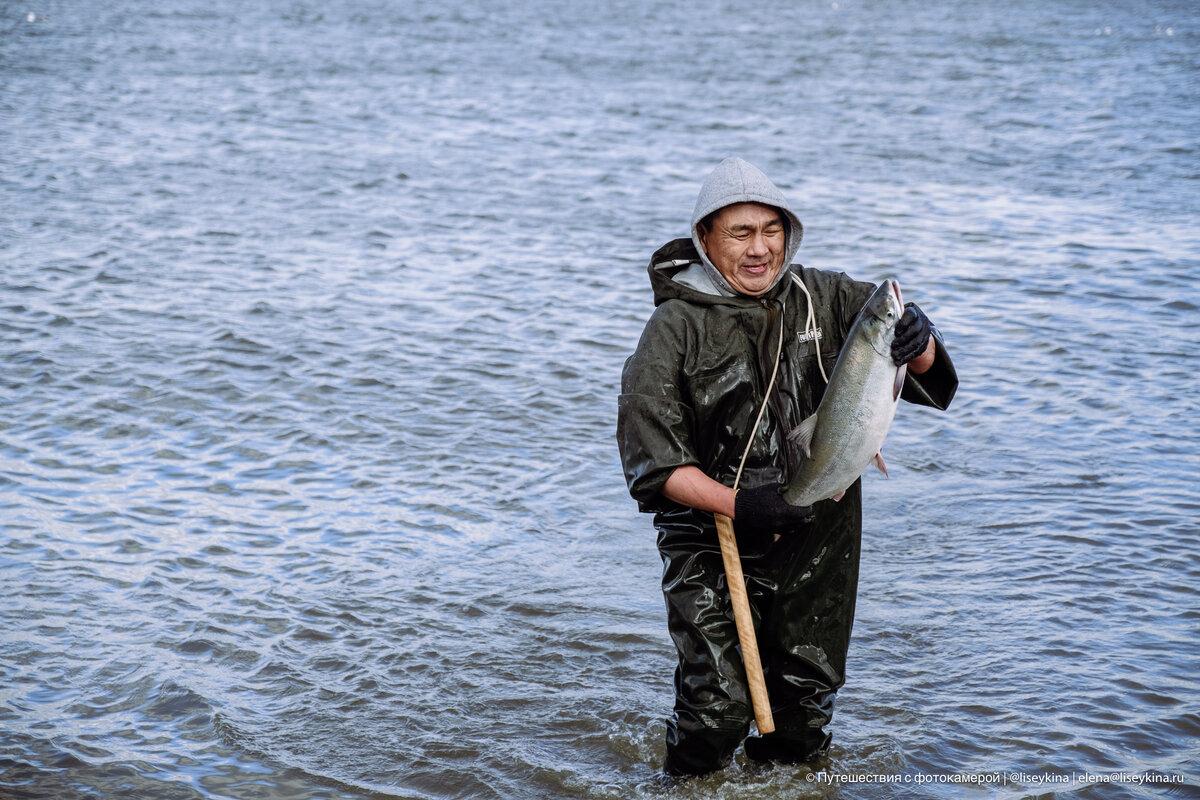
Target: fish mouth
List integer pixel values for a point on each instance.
(889, 303)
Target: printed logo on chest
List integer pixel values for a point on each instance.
(808, 336)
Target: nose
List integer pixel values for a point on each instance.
(758, 245)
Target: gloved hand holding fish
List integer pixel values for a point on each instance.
(848, 429)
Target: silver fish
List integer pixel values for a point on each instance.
(848, 429)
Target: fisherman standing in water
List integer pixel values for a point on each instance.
(690, 395)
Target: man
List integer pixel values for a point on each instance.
(690, 396)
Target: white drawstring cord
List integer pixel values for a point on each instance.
(810, 326)
(761, 409)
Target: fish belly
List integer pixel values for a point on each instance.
(847, 437)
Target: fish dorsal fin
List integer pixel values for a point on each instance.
(803, 434)
(879, 464)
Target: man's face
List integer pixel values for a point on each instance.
(746, 243)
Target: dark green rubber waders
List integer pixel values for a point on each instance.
(802, 591)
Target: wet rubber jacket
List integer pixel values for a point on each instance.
(689, 395)
(691, 390)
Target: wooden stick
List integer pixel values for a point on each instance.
(745, 625)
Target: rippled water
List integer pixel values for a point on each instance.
(313, 322)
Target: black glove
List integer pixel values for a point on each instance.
(761, 511)
(912, 335)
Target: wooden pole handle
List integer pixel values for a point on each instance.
(745, 625)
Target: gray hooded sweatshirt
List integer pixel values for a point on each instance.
(736, 181)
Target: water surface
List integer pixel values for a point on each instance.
(313, 321)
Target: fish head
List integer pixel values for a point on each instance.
(880, 314)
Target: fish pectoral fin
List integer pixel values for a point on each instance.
(898, 384)
(879, 464)
(803, 434)
(839, 495)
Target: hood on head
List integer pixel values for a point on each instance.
(738, 181)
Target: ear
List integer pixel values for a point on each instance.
(705, 226)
